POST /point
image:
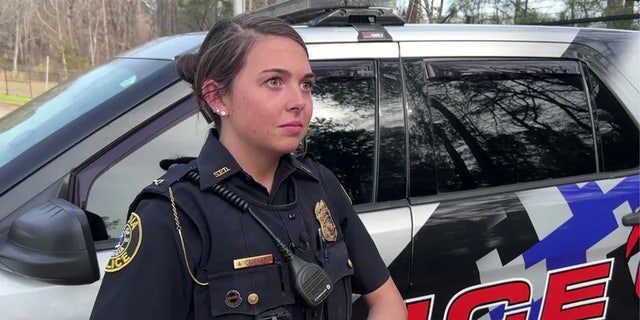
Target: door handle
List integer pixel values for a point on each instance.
(631, 219)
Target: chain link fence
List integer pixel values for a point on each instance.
(30, 83)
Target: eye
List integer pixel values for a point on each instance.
(307, 85)
(274, 82)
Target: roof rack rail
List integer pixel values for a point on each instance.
(356, 16)
(334, 12)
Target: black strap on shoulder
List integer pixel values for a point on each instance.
(161, 185)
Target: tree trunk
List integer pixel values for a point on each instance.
(414, 12)
(105, 31)
(16, 44)
(62, 42)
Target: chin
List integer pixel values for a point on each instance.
(287, 148)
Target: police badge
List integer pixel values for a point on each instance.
(327, 225)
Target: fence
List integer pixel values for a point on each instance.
(28, 83)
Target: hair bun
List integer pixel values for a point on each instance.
(186, 66)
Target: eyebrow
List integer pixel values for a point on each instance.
(287, 72)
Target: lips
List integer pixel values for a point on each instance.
(293, 127)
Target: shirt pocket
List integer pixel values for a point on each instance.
(243, 294)
(339, 268)
(335, 261)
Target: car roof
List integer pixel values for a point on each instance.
(603, 40)
(167, 48)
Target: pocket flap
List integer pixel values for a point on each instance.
(336, 264)
(250, 291)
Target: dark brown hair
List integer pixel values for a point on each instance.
(224, 51)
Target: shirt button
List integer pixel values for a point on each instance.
(292, 215)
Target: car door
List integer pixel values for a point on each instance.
(358, 131)
(53, 184)
(524, 219)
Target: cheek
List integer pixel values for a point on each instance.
(308, 112)
(256, 116)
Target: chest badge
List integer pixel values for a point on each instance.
(327, 225)
(232, 299)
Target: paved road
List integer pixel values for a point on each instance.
(6, 108)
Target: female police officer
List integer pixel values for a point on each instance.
(190, 253)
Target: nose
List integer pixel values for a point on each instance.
(299, 99)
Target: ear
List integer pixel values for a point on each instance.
(212, 96)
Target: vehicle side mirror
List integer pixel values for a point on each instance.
(52, 243)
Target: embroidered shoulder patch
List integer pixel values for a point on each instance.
(128, 245)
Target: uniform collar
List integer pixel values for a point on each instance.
(215, 164)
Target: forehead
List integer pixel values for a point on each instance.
(277, 52)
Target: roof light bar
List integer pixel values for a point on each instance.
(300, 11)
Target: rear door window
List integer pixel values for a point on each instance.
(494, 123)
(342, 131)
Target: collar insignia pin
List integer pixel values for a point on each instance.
(158, 181)
(221, 171)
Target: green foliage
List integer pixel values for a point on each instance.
(14, 99)
(621, 24)
(200, 15)
(74, 61)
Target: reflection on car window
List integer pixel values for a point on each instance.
(619, 135)
(341, 135)
(502, 122)
(47, 113)
(392, 173)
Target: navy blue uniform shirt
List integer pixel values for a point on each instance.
(148, 276)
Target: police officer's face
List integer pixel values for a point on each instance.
(269, 106)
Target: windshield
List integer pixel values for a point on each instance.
(34, 121)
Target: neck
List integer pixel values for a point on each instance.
(260, 165)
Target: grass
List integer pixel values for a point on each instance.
(14, 99)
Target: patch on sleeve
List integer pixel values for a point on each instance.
(128, 244)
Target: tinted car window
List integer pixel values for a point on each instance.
(392, 177)
(59, 106)
(501, 122)
(341, 135)
(618, 133)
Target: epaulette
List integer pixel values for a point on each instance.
(160, 186)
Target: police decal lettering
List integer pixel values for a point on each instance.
(571, 293)
(128, 244)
